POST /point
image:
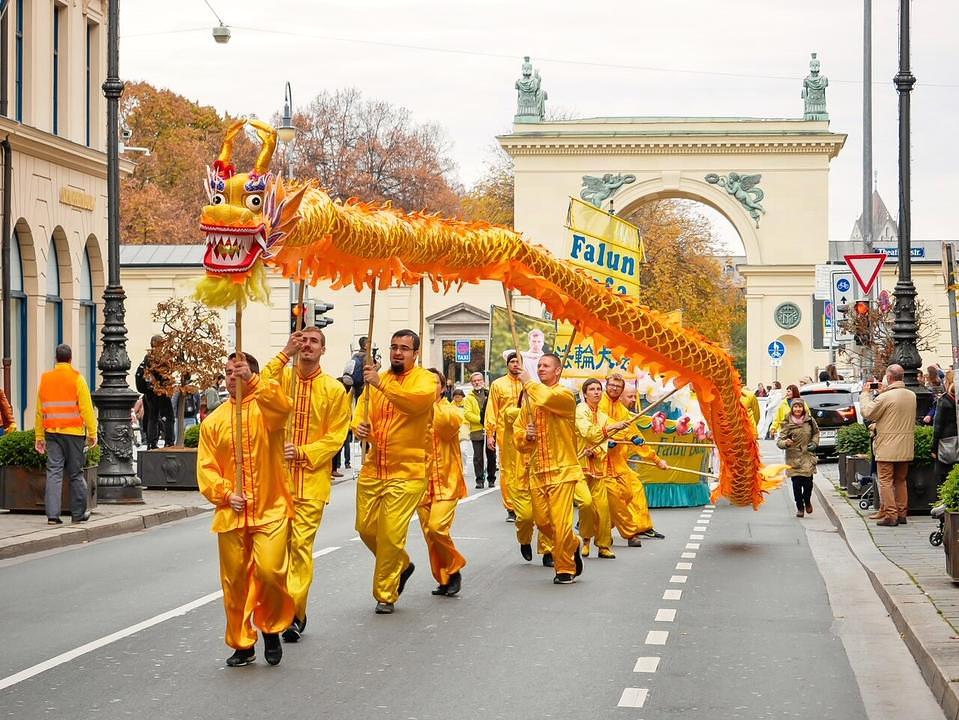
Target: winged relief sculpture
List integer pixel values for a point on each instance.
(744, 189)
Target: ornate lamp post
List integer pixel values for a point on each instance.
(117, 482)
(286, 132)
(904, 326)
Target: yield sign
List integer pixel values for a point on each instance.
(865, 268)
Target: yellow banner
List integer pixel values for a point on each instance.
(586, 219)
(681, 453)
(605, 246)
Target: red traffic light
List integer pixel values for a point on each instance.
(861, 307)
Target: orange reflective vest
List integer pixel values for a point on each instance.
(59, 400)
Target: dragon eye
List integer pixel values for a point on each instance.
(254, 202)
(218, 199)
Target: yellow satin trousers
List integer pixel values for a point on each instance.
(253, 568)
(628, 507)
(523, 507)
(595, 520)
(436, 520)
(553, 513)
(384, 509)
(308, 514)
(507, 477)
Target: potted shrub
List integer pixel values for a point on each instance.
(853, 448)
(190, 352)
(949, 496)
(23, 474)
(921, 481)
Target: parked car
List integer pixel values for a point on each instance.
(832, 405)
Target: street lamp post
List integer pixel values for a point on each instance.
(116, 483)
(904, 326)
(286, 132)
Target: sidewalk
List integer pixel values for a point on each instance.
(909, 576)
(25, 533)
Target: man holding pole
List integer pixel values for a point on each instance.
(253, 507)
(503, 393)
(314, 435)
(546, 429)
(393, 415)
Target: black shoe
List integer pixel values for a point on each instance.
(511, 516)
(404, 576)
(578, 559)
(348, 466)
(491, 483)
(902, 521)
(526, 551)
(293, 633)
(480, 486)
(651, 533)
(82, 518)
(273, 651)
(634, 541)
(440, 590)
(547, 559)
(563, 579)
(383, 608)
(54, 521)
(241, 658)
(454, 585)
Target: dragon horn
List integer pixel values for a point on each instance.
(267, 135)
(226, 152)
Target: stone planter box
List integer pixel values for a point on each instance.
(841, 466)
(950, 543)
(22, 489)
(921, 484)
(168, 468)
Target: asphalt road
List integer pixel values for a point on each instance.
(728, 617)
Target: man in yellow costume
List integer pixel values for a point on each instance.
(593, 430)
(252, 516)
(393, 415)
(546, 429)
(314, 435)
(627, 496)
(444, 489)
(503, 393)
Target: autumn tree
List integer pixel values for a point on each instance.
(491, 198)
(682, 270)
(373, 150)
(189, 356)
(874, 344)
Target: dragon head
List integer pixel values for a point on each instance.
(247, 216)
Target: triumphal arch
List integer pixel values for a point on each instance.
(768, 176)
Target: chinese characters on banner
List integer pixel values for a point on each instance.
(610, 250)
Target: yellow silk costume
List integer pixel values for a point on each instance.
(553, 466)
(252, 542)
(445, 488)
(317, 426)
(594, 521)
(503, 393)
(393, 479)
(517, 464)
(627, 496)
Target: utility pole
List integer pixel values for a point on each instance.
(867, 228)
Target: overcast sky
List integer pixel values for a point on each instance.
(454, 64)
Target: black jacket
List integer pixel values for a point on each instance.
(944, 425)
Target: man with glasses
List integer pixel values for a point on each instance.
(393, 415)
(484, 456)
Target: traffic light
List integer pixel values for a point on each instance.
(297, 311)
(319, 314)
(862, 322)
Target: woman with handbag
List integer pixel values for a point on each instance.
(945, 438)
(799, 437)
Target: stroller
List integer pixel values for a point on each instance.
(938, 513)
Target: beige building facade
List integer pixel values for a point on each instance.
(52, 116)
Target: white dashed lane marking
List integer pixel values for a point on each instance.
(692, 546)
(666, 615)
(677, 579)
(684, 566)
(657, 637)
(647, 665)
(694, 536)
(688, 555)
(633, 697)
(673, 595)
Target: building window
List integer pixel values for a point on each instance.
(19, 60)
(18, 332)
(53, 317)
(86, 353)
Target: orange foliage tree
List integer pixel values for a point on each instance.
(491, 198)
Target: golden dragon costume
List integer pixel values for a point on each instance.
(256, 218)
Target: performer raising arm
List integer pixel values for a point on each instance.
(393, 414)
(315, 433)
(252, 518)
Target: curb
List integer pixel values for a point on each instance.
(60, 537)
(930, 639)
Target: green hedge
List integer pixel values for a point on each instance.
(949, 490)
(17, 448)
(191, 438)
(853, 440)
(923, 450)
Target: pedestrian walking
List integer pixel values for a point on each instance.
(252, 515)
(65, 427)
(945, 436)
(799, 437)
(782, 410)
(484, 455)
(347, 382)
(8, 422)
(151, 381)
(892, 407)
(393, 415)
(445, 488)
(315, 433)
